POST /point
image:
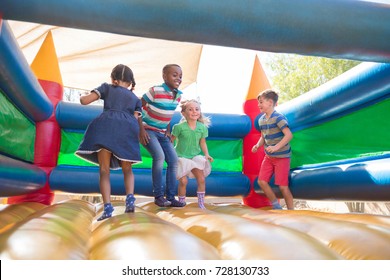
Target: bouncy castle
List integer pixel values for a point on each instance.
(341, 147)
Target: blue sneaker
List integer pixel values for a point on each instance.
(276, 206)
(130, 203)
(107, 213)
(161, 201)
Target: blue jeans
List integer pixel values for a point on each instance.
(161, 149)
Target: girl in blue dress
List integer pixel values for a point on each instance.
(112, 139)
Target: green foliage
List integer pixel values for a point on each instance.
(293, 75)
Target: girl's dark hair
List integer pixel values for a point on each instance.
(123, 73)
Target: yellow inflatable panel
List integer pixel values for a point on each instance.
(144, 236)
(374, 220)
(352, 240)
(69, 230)
(13, 213)
(57, 232)
(237, 238)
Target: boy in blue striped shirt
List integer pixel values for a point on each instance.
(275, 137)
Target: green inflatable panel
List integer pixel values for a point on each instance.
(362, 133)
(227, 154)
(17, 133)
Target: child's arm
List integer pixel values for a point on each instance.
(89, 98)
(138, 110)
(168, 131)
(258, 145)
(203, 146)
(138, 115)
(143, 135)
(175, 133)
(286, 138)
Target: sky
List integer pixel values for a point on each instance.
(223, 79)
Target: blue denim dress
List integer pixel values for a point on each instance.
(115, 129)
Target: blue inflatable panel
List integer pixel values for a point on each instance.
(17, 177)
(74, 116)
(86, 180)
(224, 125)
(18, 81)
(359, 181)
(347, 29)
(357, 88)
(366, 180)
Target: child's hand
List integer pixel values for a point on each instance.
(143, 136)
(271, 149)
(255, 148)
(208, 157)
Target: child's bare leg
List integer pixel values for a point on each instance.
(267, 190)
(270, 194)
(182, 189)
(201, 191)
(288, 197)
(200, 179)
(129, 186)
(128, 177)
(104, 157)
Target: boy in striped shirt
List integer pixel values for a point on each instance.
(159, 105)
(275, 136)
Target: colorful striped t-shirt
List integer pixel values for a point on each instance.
(161, 105)
(271, 131)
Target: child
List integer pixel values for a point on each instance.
(112, 139)
(191, 135)
(275, 136)
(159, 105)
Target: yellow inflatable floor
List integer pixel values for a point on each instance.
(68, 230)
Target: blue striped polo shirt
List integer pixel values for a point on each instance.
(271, 131)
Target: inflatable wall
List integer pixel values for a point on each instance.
(330, 113)
(77, 176)
(340, 146)
(50, 143)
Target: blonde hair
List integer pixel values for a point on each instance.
(203, 119)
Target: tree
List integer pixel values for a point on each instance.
(293, 75)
